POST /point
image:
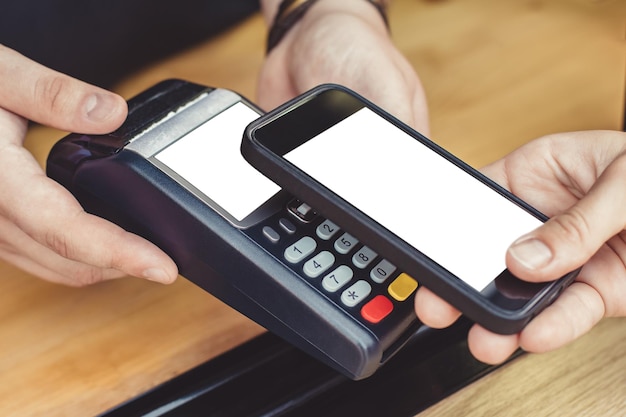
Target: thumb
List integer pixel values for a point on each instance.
(46, 96)
(568, 240)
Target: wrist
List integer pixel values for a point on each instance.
(371, 11)
(270, 7)
(283, 16)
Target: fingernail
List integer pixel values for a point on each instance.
(157, 275)
(532, 253)
(99, 107)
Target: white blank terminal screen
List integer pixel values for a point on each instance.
(209, 158)
(430, 203)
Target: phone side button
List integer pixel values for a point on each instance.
(377, 309)
(300, 250)
(402, 287)
(356, 293)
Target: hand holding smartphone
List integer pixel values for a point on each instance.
(425, 211)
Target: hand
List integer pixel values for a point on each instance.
(579, 181)
(43, 229)
(343, 42)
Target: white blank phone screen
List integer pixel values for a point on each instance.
(433, 205)
(209, 158)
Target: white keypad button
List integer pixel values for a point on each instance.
(337, 278)
(318, 264)
(356, 293)
(383, 270)
(326, 230)
(363, 257)
(345, 243)
(300, 250)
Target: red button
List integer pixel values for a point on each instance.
(377, 309)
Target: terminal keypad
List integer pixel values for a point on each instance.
(351, 273)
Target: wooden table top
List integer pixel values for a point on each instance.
(497, 74)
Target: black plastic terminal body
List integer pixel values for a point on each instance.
(127, 189)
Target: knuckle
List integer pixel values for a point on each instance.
(58, 242)
(572, 226)
(78, 274)
(51, 93)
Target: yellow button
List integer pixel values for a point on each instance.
(402, 287)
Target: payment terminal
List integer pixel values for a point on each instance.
(173, 173)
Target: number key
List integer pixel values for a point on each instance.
(300, 250)
(337, 278)
(382, 271)
(363, 257)
(326, 230)
(318, 264)
(345, 243)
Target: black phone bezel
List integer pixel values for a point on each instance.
(278, 132)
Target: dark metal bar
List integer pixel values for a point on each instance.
(268, 377)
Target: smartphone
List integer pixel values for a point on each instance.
(174, 174)
(416, 205)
